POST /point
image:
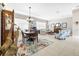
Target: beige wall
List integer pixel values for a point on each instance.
(75, 13)
(68, 20)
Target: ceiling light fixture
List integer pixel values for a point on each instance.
(29, 19)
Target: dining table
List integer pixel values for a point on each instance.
(31, 35)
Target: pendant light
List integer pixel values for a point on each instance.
(29, 19)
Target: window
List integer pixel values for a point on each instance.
(41, 25)
(23, 24)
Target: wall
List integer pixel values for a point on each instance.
(68, 20)
(75, 13)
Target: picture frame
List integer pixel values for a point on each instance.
(58, 25)
(64, 25)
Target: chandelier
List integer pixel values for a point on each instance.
(29, 20)
(29, 16)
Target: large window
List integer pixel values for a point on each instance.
(23, 24)
(41, 25)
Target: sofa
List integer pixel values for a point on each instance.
(63, 34)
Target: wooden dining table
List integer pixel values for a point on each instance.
(32, 34)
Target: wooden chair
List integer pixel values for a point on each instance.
(24, 37)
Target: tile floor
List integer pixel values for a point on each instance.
(68, 47)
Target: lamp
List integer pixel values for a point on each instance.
(76, 22)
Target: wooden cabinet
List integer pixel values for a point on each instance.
(7, 25)
(56, 30)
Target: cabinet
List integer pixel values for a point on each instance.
(7, 25)
(57, 28)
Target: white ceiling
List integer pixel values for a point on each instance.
(47, 11)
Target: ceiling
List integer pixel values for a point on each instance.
(47, 11)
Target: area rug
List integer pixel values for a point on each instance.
(36, 47)
(43, 43)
